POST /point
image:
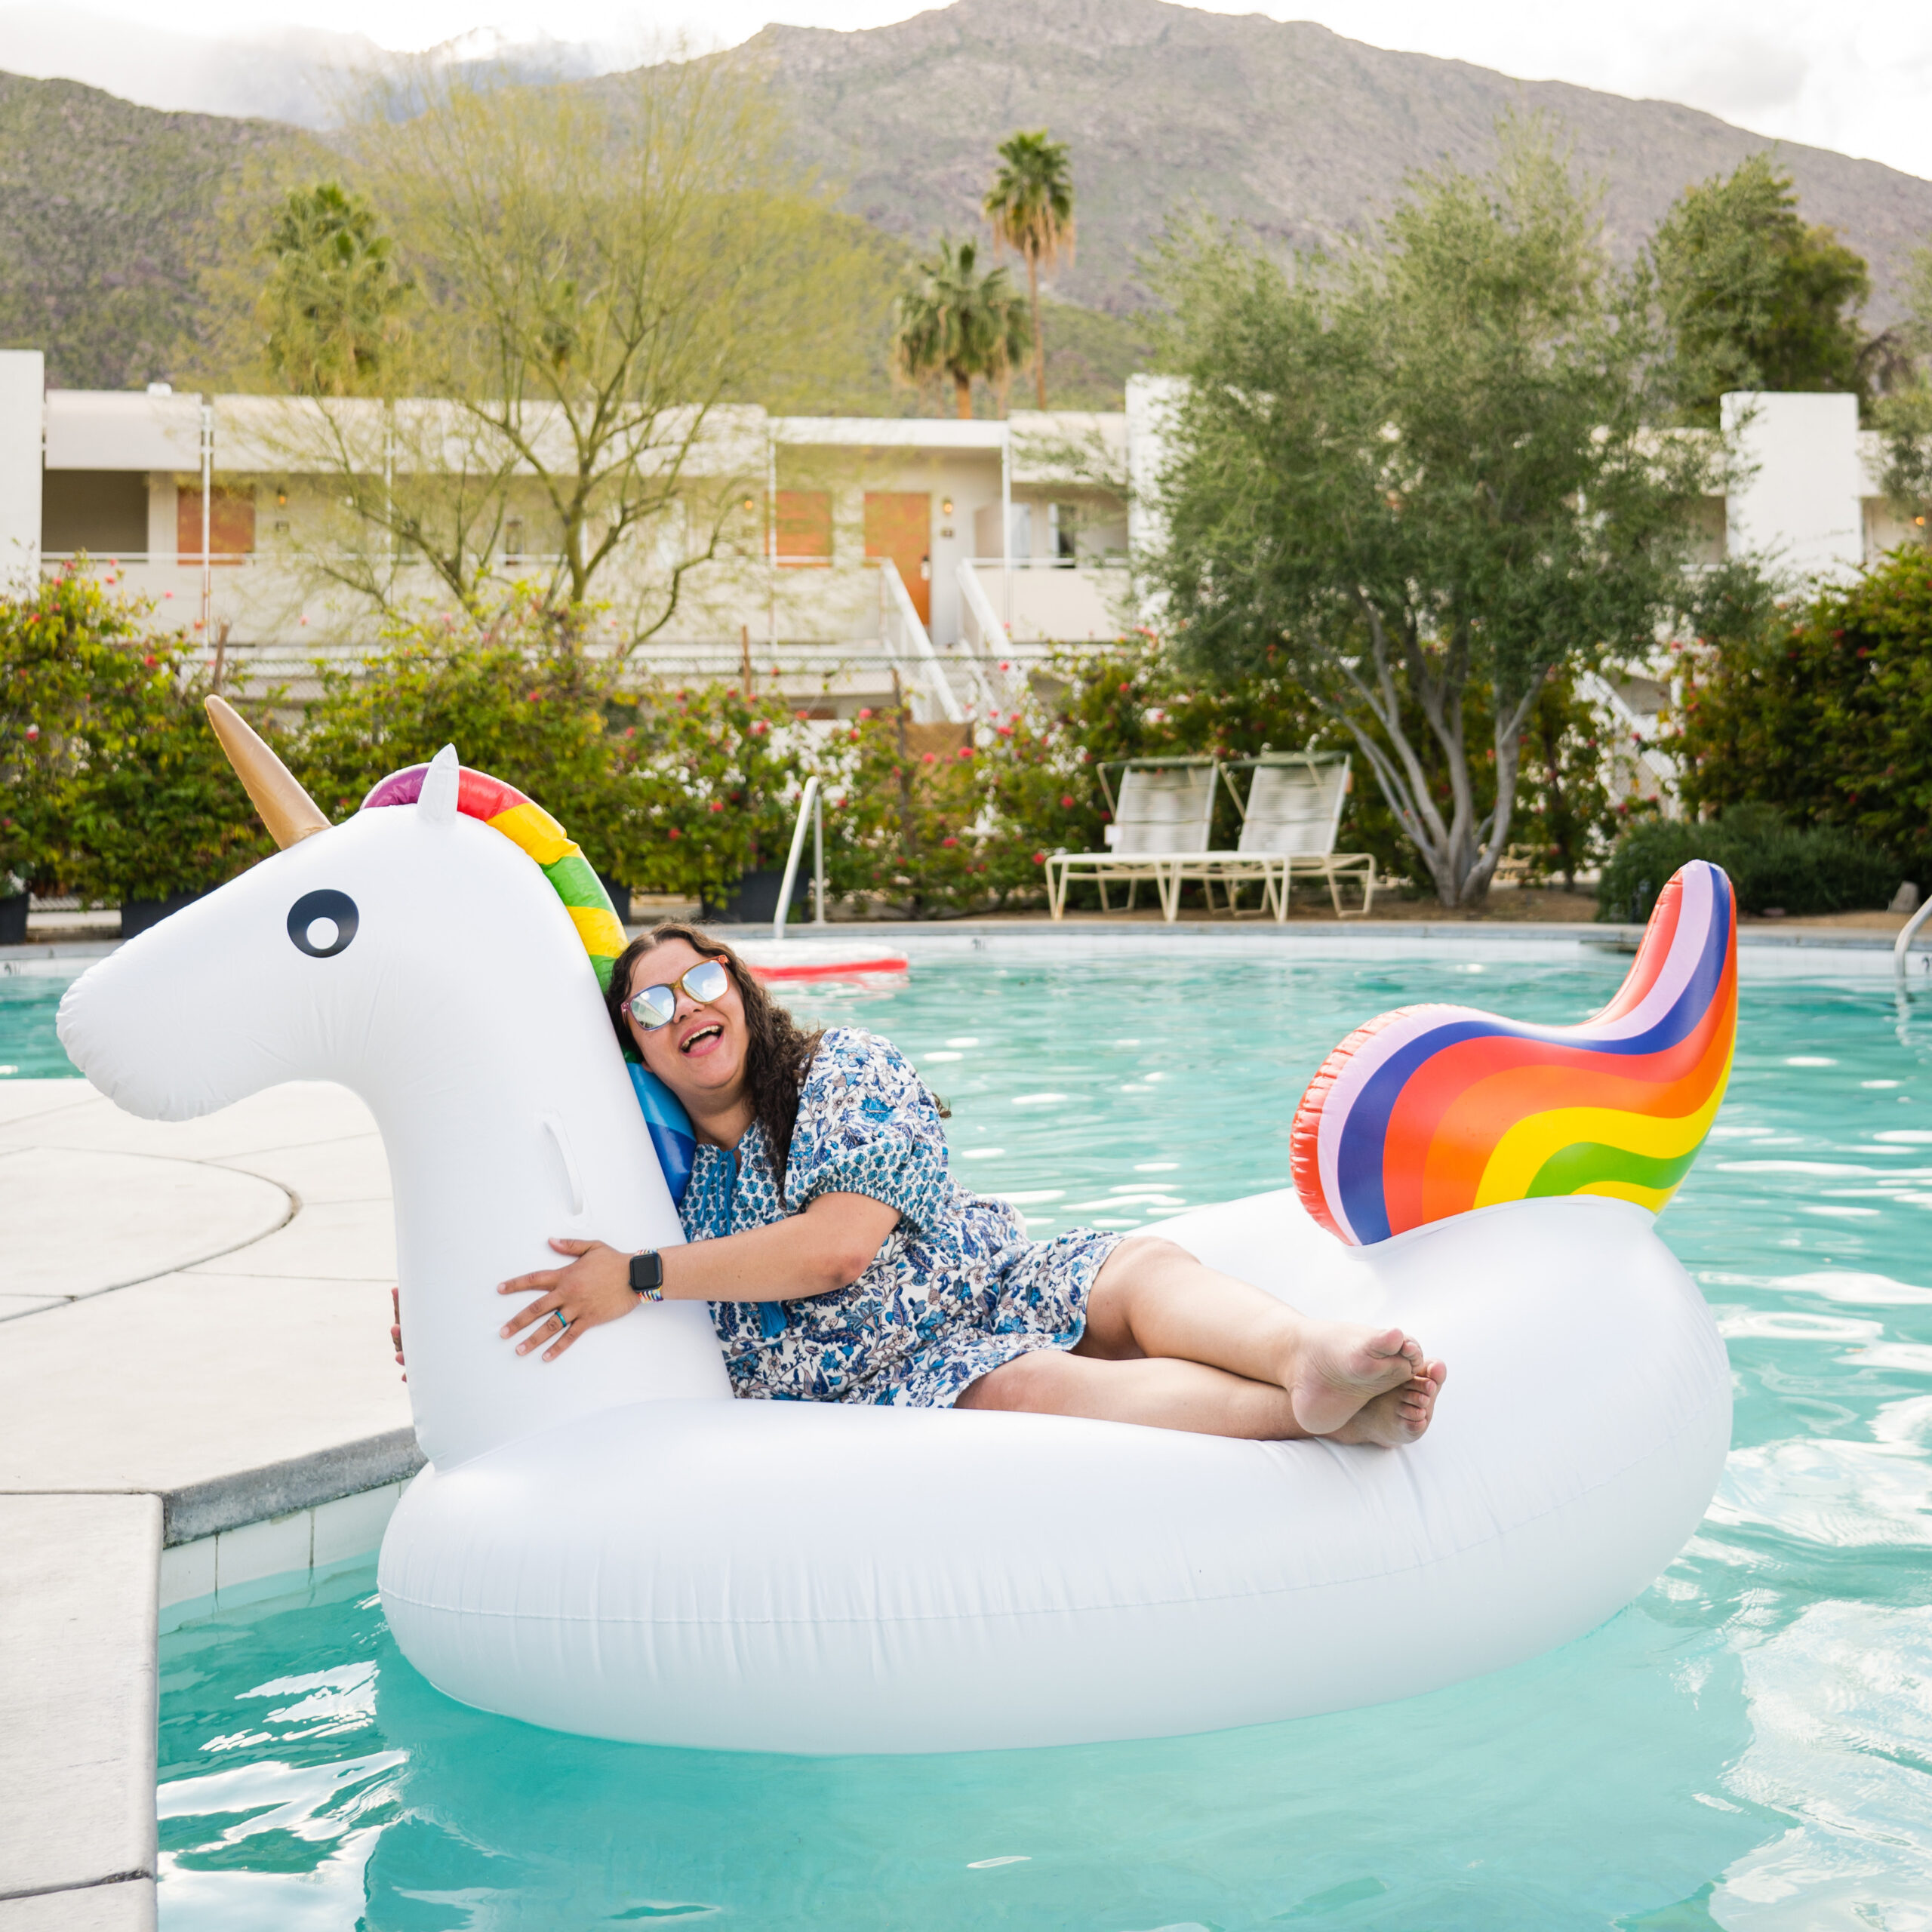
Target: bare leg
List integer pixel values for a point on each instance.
(1155, 1393)
(1152, 1298)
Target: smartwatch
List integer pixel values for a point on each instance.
(648, 1274)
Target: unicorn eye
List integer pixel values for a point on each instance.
(321, 924)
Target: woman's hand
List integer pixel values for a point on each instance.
(395, 1333)
(596, 1286)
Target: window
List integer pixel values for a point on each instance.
(231, 524)
(103, 511)
(805, 529)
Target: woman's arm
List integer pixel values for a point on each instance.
(829, 1246)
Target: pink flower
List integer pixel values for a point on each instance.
(1039, 858)
(1066, 801)
(929, 758)
(33, 732)
(759, 727)
(866, 712)
(965, 751)
(717, 805)
(675, 833)
(949, 842)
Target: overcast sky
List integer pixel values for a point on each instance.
(1847, 74)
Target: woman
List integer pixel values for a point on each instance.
(843, 1264)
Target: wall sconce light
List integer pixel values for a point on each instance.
(281, 499)
(946, 507)
(751, 502)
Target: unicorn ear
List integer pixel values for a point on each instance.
(438, 799)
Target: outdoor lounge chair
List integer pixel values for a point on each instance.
(1290, 821)
(1161, 818)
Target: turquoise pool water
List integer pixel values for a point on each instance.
(28, 1048)
(1749, 1745)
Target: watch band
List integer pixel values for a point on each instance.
(647, 1274)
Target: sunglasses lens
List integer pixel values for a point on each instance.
(653, 1007)
(707, 980)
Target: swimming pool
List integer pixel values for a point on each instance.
(1749, 1745)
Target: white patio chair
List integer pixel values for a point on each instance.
(1290, 821)
(1162, 814)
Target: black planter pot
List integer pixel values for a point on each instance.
(621, 898)
(137, 914)
(754, 901)
(13, 918)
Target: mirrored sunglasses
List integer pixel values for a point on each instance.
(653, 1006)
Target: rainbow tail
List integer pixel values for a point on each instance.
(1430, 1111)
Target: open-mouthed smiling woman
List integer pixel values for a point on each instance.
(842, 1263)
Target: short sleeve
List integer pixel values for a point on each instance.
(867, 1125)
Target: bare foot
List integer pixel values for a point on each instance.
(1340, 1366)
(1394, 1420)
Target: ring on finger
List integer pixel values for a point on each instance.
(563, 1324)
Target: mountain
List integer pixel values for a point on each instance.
(105, 209)
(1285, 126)
(108, 210)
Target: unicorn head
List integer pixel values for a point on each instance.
(434, 954)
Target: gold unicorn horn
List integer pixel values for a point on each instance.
(288, 811)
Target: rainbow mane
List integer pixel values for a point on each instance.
(1430, 1111)
(531, 829)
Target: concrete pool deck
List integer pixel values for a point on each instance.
(196, 1393)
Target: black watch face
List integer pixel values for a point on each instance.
(647, 1270)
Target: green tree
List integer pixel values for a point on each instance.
(1903, 418)
(604, 272)
(1754, 297)
(1422, 472)
(331, 310)
(1030, 205)
(1824, 712)
(958, 320)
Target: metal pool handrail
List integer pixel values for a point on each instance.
(812, 806)
(1903, 944)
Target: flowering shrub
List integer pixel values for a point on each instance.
(910, 819)
(710, 779)
(111, 784)
(513, 698)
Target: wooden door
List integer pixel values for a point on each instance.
(899, 524)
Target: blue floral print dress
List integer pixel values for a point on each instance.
(956, 1289)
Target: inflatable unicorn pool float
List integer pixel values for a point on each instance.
(612, 1546)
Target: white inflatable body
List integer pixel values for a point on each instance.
(611, 1545)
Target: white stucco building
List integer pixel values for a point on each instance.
(950, 555)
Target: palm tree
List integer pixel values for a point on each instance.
(333, 296)
(1030, 205)
(959, 320)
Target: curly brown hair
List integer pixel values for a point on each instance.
(778, 1051)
